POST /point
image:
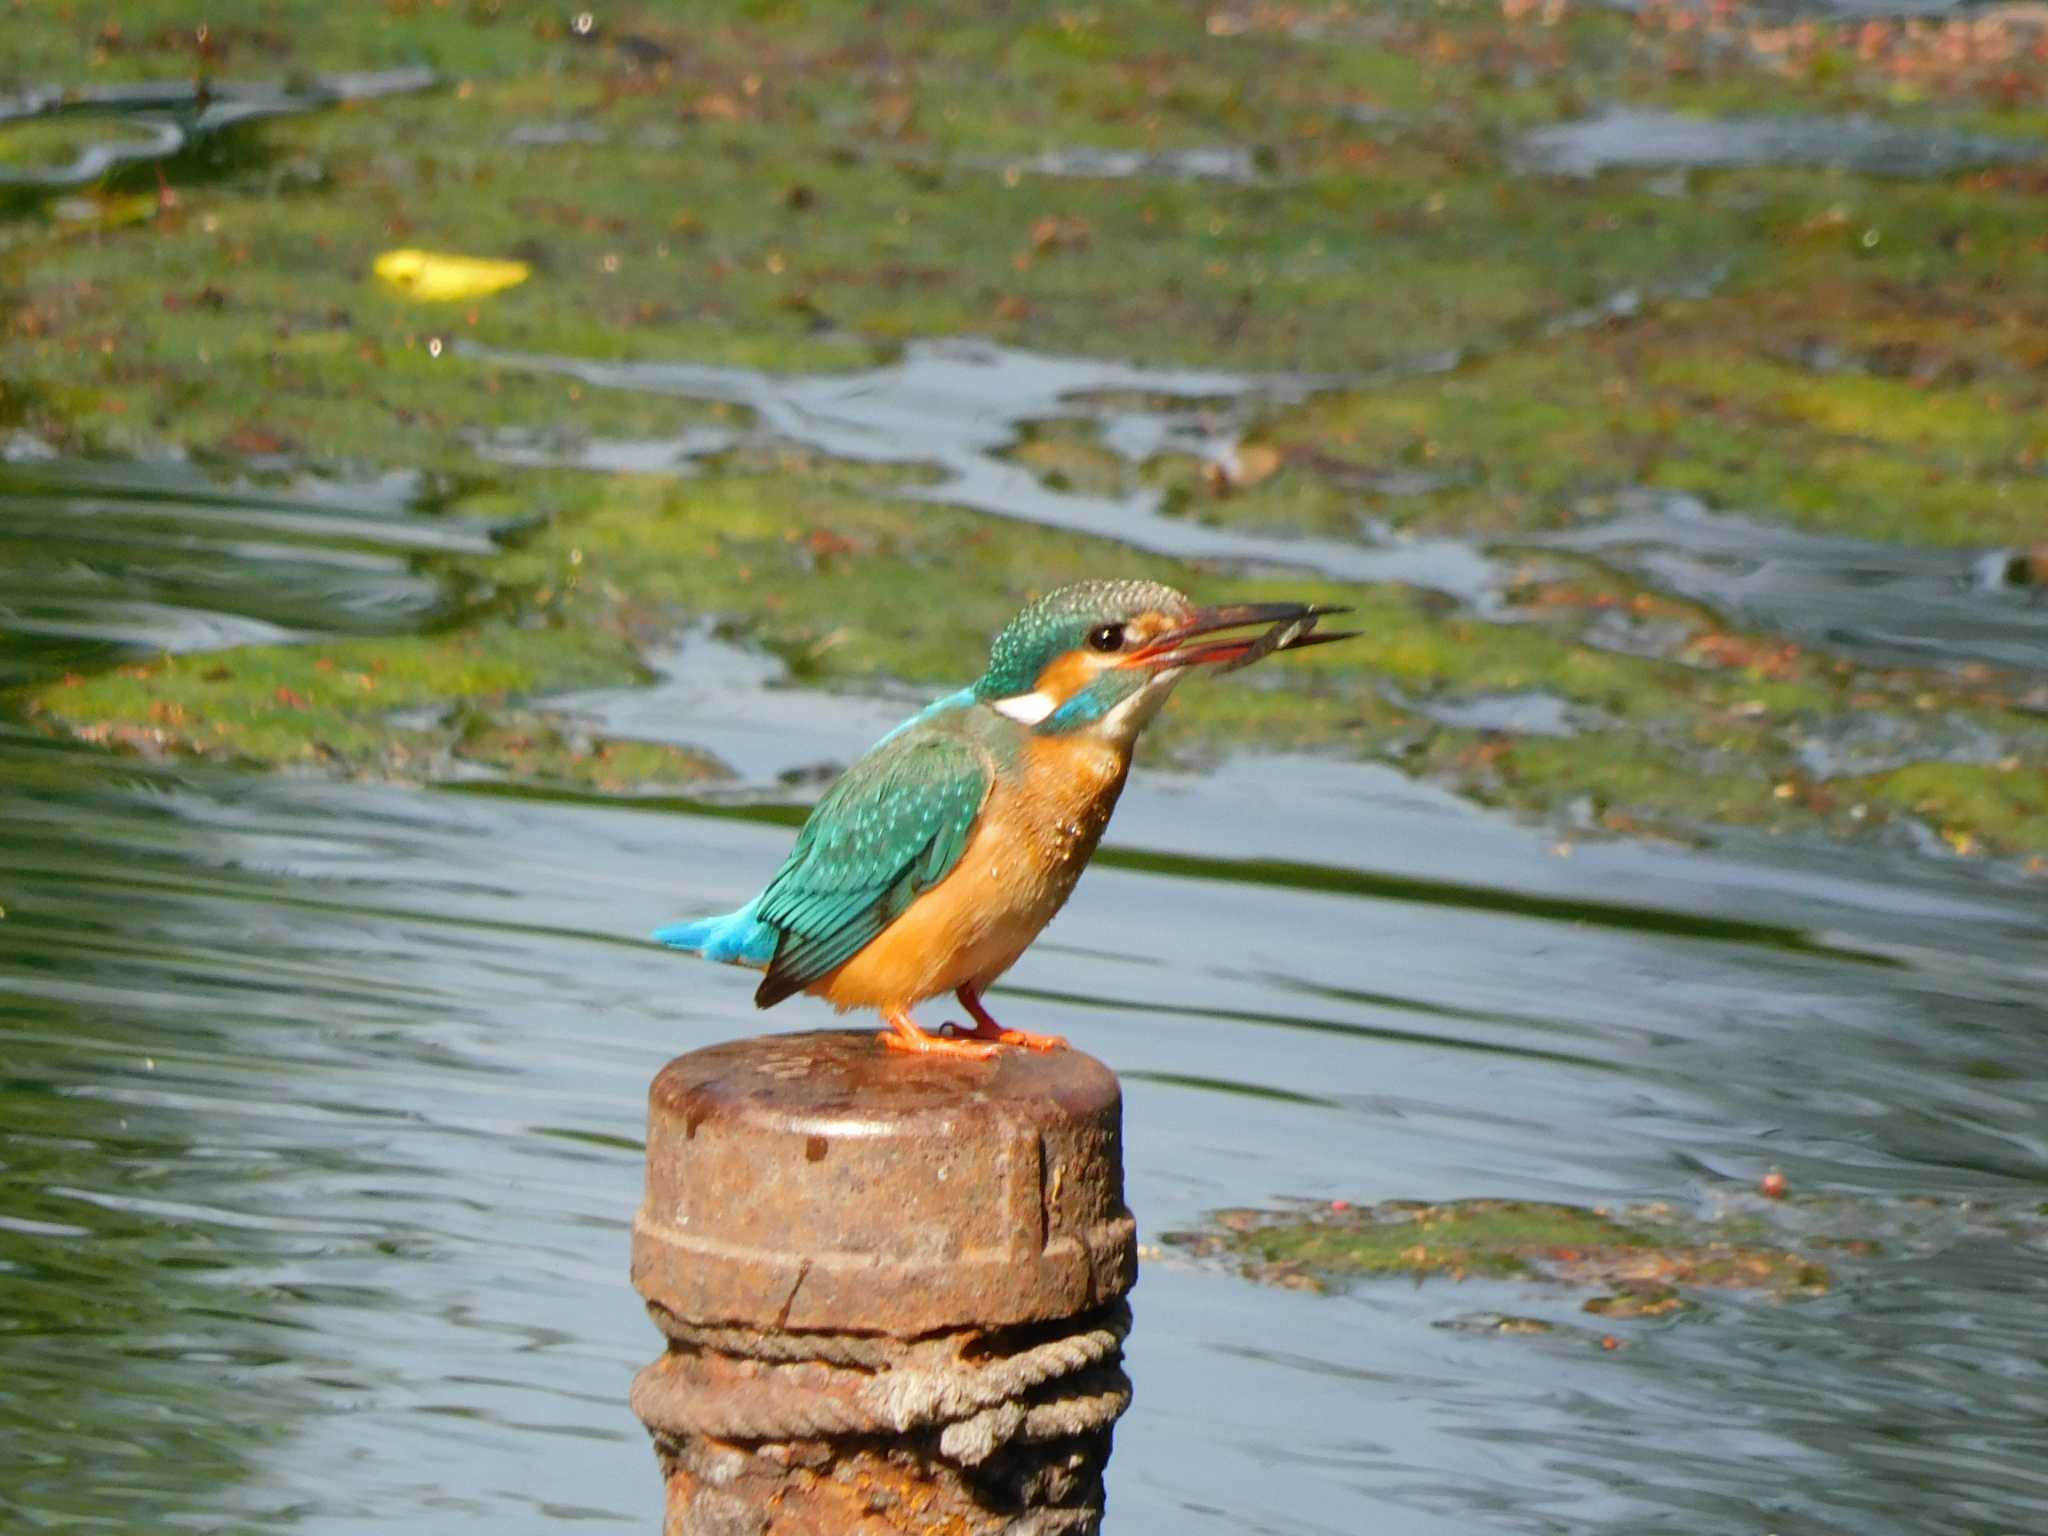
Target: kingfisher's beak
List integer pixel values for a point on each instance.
(1281, 626)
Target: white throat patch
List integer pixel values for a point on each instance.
(1121, 724)
(1027, 708)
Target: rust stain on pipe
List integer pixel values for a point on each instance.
(923, 1194)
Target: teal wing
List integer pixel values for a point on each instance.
(894, 826)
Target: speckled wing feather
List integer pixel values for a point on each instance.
(894, 826)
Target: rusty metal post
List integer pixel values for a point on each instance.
(893, 1289)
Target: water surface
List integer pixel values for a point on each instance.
(1881, 604)
(1633, 137)
(155, 121)
(323, 1104)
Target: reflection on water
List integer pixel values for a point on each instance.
(321, 1104)
(1221, 162)
(156, 120)
(1884, 604)
(96, 558)
(1624, 137)
(958, 407)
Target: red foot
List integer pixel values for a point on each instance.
(1017, 1037)
(904, 1035)
(986, 1028)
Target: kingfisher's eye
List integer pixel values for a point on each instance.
(1106, 637)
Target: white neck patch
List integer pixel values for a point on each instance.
(1134, 713)
(1027, 708)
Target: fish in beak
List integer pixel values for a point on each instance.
(1281, 627)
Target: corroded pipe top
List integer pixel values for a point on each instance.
(818, 1181)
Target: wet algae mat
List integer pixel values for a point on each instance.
(1398, 300)
(1637, 1263)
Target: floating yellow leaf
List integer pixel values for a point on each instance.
(434, 276)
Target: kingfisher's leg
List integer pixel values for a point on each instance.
(986, 1028)
(904, 1035)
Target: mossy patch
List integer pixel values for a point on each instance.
(545, 747)
(1641, 1260)
(839, 198)
(1970, 805)
(1808, 406)
(1071, 456)
(339, 704)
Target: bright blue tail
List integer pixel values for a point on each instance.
(733, 938)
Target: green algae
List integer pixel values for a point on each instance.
(336, 704)
(1504, 1324)
(807, 233)
(2002, 805)
(1071, 456)
(1642, 1260)
(1713, 398)
(772, 190)
(544, 747)
(49, 145)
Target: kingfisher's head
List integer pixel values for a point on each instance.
(1101, 656)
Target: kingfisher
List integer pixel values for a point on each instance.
(933, 862)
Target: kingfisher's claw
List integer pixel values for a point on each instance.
(973, 1050)
(1024, 1039)
(904, 1035)
(986, 1028)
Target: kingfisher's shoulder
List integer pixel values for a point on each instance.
(951, 704)
(964, 718)
(1010, 748)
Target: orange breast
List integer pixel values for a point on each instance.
(1033, 838)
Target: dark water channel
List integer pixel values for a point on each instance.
(144, 123)
(321, 1107)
